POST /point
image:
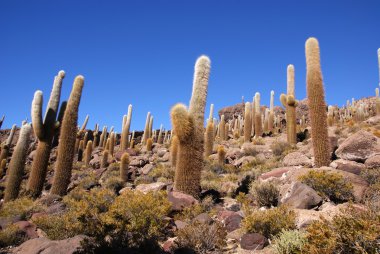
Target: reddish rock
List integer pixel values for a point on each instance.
(253, 241)
(28, 228)
(299, 195)
(181, 200)
(232, 222)
(296, 159)
(277, 172)
(145, 188)
(373, 161)
(348, 166)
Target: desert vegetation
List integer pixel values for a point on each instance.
(304, 178)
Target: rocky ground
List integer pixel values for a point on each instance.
(264, 187)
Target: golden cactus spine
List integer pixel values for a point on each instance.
(330, 115)
(112, 139)
(7, 145)
(66, 145)
(253, 118)
(222, 128)
(17, 164)
(149, 144)
(3, 165)
(209, 138)
(146, 129)
(160, 138)
(103, 137)
(317, 104)
(104, 161)
(258, 120)
(290, 103)
(44, 131)
(188, 126)
(266, 120)
(174, 151)
(377, 102)
(125, 132)
(271, 113)
(247, 122)
(221, 155)
(124, 164)
(80, 150)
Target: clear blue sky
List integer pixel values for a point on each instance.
(143, 52)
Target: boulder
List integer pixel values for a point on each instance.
(181, 200)
(147, 168)
(28, 228)
(145, 188)
(277, 173)
(305, 217)
(299, 195)
(232, 222)
(244, 160)
(296, 159)
(139, 161)
(373, 161)
(348, 166)
(358, 147)
(46, 246)
(253, 241)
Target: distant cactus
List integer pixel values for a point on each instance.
(17, 164)
(87, 155)
(66, 145)
(258, 120)
(317, 104)
(3, 165)
(247, 122)
(2, 121)
(103, 137)
(271, 113)
(188, 125)
(150, 127)
(7, 145)
(290, 103)
(377, 102)
(174, 151)
(149, 144)
(80, 150)
(44, 131)
(221, 155)
(222, 128)
(112, 143)
(146, 129)
(124, 163)
(209, 138)
(104, 162)
(95, 143)
(159, 138)
(330, 115)
(125, 131)
(266, 121)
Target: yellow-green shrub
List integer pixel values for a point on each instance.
(23, 207)
(269, 222)
(372, 176)
(11, 235)
(279, 147)
(289, 242)
(329, 185)
(265, 193)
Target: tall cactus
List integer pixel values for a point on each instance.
(258, 120)
(87, 154)
(247, 122)
(290, 103)
(146, 129)
(7, 145)
(174, 151)
(44, 131)
(188, 126)
(66, 145)
(317, 104)
(2, 121)
(377, 102)
(222, 127)
(271, 113)
(17, 164)
(209, 138)
(124, 163)
(125, 131)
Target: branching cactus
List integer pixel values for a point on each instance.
(7, 145)
(150, 128)
(258, 120)
(188, 125)
(44, 130)
(317, 104)
(124, 164)
(247, 122)
(64, 163)
(271, 113)
(125, 131)
(290, 103)
(17, 164)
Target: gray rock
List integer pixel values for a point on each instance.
(299, 195)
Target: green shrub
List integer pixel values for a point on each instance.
(201, 238)
(23, 207)
(279, 147)
(265, 193)
(11, 236)
(351, 231)
(289, 242)
(330, 185)
(269, 222)
(372, 176)
(162, 170)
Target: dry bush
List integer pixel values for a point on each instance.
(265, 193)
(279, 147)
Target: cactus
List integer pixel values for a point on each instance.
(85, 139)
(209, 138)
(132, 143)
(124, 163)
(159, 138)
(271, 113)
(146, 129)
(266, 120)
(174, 151)
(149, 144)
(66, 145)
(317, 104)
(330, 115)
(150, 127)
(247, 122)
(80, 133)
(7, 145)
(80, 150)
(377, 102)
(87, 154)
(210, 116)
(17, 164)
(290, 103)
(258, 120)
(221, 155)
(378, 59)
(112, 139)
(125, 132)
(188, 125)
(2, 121)
(103, 137)
(3, 165)
(253, 118)
(44, 131)
(222, 124)
(104, 162)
